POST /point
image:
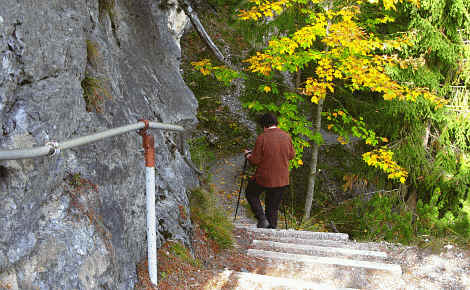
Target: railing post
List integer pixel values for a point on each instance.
(148, 143)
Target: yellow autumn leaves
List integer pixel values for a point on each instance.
(260, 63)
(264, 9)
(341, 123)
(267, 9)
(221, 73)
(204, 66)
(337, 50)
(383, 158)
(350, 55)
(390, 4)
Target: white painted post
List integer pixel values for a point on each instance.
(151, 225)
(148, 143)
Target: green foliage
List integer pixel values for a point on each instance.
(434, 61)
(221, 73)
(224, 3)
(438, 164)
(206, 212)
(344, 125)
(94, 92)
(297, 223)
(223, 132)
(256, 31)
(228, 134)
(451, 177)
(386, 217)
(436, 26)
(291, 119)
(432, 222)
(183, 253)
(201, 153)
(75, 180)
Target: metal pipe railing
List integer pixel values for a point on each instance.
(52, 148)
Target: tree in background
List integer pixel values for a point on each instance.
(334, 48)
(362, 46)
(434, 144)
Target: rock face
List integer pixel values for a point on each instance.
(70, 68)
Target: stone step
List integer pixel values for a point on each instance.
(329, 243)
(319, 250)
(336, 272)
(278, 233)
(244, 223)
(392, 268)
(249, 281)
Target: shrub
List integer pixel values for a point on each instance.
(201, 153)
(211, 218)
(386, 217)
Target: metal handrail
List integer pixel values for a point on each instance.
(52, 148)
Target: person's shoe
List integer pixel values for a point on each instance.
(263, 223)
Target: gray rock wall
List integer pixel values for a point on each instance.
(77, 220)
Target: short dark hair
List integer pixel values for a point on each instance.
(267, 120)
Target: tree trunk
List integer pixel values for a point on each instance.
(298, 78)
(188, 10)
(427, 133)
(316, 147)
(314, 161)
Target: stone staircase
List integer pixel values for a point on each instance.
(311, 260)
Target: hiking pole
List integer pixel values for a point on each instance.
(241, 187)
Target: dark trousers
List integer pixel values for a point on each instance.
(273, 198)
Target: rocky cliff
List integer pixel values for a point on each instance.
(70, 68)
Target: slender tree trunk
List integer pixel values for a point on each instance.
(427, 133)
(316, 147)
(298, 78)
(314, 161)
(188, 10)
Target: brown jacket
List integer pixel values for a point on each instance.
(271, 155)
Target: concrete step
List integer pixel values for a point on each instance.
(319, 250)
(250, 224)
(244, 223)
(392, 268)
(329, 243)
(278, 233)
(336, 272)
(249, 281)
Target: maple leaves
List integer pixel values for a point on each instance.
(350, 54)
(342, 123)
(261, 9)
(221, 73)
(316, 89)
(383, 158)
(260, 63)
(390, 4)
(264, 9)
